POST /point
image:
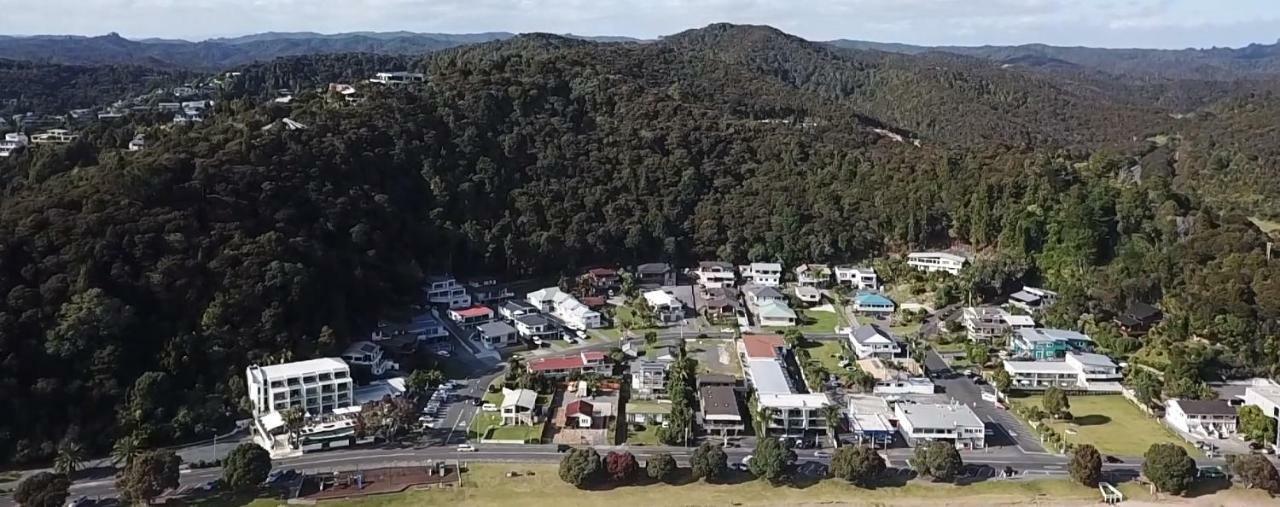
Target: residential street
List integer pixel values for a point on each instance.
(1009, 429)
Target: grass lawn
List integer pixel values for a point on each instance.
(484, 421)
(824, 352)
(906, 329)
(1112, 424)
(620, 313)
(647, 437)
(820, 322)
(538, 485)
(944, 348)
(705, 365)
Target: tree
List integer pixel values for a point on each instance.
(421, 381)
(293, 418)
(1255, 471)
(651, 338)
(580, 467)
(621, 467)
(858, 464)
(661, 467)
(245, 467)
(793, 338)
(831, 415)
(1055, 402)
(977, 354)
(938, 459)
(1169, 468)
(1086, 465)
(709, 462)
(149, 475)
(43, 489)
(125, 449)
(1256, 426)
(1002, 380)
(771, 460)
(70, 457)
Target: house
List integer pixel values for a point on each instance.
(497, 334)
(986, 323)
(721, 304)
(582, 362)
(906, 385)
(870, 419)
(424, 327)
(1077, 371)
(1138, 318)
(471, 316)
(648, 412)
(445, 290)
(858, 277)
(511, 309)
(715, 274)
(603, 280)
(1033, 299)
(873, 303)
(369, 355)
(533, 325)
(763, 363)
(769, 306)
(718, 410)
(489, 291)
(519, 407)
(956, 423)
(649, 379)
(1266, 397)
(54, 136)
(768, 274)
(871, 340)
(398, 78)
(12, 142)
(716, 379)
(579, 414)
(794, 415)
(808, 294)
(1210, 418)
(317, 387)
(1047, 343)
(666, 308)
(813, 275)
(565, 307)
(138, 143)
(346, 92)
(936, 261)
(655, 273)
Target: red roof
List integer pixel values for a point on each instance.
(763, 345)
(594, 301)
(602, 272)
(556, 363)
(592, 356)
(579, 407)
(474, 311)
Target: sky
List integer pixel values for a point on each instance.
(1098, 23)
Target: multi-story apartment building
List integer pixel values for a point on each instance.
(1046, 343)
(958, 424)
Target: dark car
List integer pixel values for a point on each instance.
(1113, 460)
(562, 448)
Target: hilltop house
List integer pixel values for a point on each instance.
(715, 274)
(985, 323)
(873, 303)
(1033, 299)
(858, 277)
(768, 274)
(1138, 318)
(655, 273)
(813, 275)
(445, 290)
(936, 261)
(1039, 344)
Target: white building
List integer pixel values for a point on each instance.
(369, 355)
(397, 78)
(497, 334)
(871, 340)
(1208, 418)
(905, 385)
(138, 143)
(1033, 299)
(987, 323)
(445, 290)
(565, 307)
(12, 142)
(768, 274)
(317, 388)
(519, 407)
(813, 275)
(715, 274)
(666, 308)
(808, 294)
(936, 261)
(794, 414)
(1265, 396)
(649, 379)
(858, 277)
(54, 136)
(956, 423)
(1078, 371)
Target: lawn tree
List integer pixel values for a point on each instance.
(1169, 468)
(1255, 471)
(1255, 426)
(708, 462)
(1002, 381)
(771, 461)
(661, 467)
(621, 467)
(1055, 402)
(245, 467)
(149, 475)
(581, 467)
(939, 460)
(857, 464)
(1086, 465)
(125, 449)
(43, 489)
(793, 338)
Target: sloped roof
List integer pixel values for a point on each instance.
(579, 407)
(763, 345)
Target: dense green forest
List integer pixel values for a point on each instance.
(140, 284)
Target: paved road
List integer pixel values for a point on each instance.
(1009, 429)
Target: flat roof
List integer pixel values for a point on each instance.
(309, 366)
(762, 345)
(768, 376)
(719, 400)
(1269, 393)
(1091, 359)
(1019, 320)
(939, 416)
(868, 404)
(941, 255)
(498, 328)
(379, 389)
(1050, 334)
(1060, 367)
(780, 400)
(871, 423)
(661, 298)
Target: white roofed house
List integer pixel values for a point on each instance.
(813, 275)
(519, 407)
(565, 307)
(987, 323)
(858, 277)
(12, 142)
(808, 294)
(666, 307)
(794, 414)
(715, 274)
(398, 78)
(54, 136)
(956, 423)
(871, 340)
(768, 274)
(1078, 371)
(1266, 396)
(937, 261)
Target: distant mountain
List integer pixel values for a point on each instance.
(1207, 64)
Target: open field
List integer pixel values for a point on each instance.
(820, 322)
(621, 313)
(1112, 424)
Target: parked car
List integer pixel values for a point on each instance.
(1112, 459)
(822, 454)
(562, 448)
(489, 407)
(466, 448)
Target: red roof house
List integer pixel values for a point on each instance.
(763, 346)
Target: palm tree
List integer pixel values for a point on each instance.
(831, 413)
(293, 421)
(515, 363)
(125, 449)
(764, 415)
(70, 457)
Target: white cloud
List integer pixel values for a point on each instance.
(1148, 23)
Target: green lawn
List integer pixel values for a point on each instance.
(485, 421)
(824, 353)
(538, 486)
(1112, 424)
(647, 437)
(620, 313)
(905, 330)
(820, 322)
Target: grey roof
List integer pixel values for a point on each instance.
(763, 291)
(1051, 335)
(716, 379)
(654, 268)
(532, 320)
(719, 400)
(518, 305)
(768, 377)
(497, 328)
(716, 264)
(866, 332)
(1024, 296)
(650, 365)
(1207, 407)
(940, 416)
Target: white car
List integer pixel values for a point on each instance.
(489, 407)
(728, 330)
(466, 448)
(822, 454)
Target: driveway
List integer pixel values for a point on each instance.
(1009, 430)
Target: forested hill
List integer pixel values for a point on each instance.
(141, 284)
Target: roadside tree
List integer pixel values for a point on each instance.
(1086, 465)
(858, 464)
(1169, 468)
(43, 489)
(580, 467)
